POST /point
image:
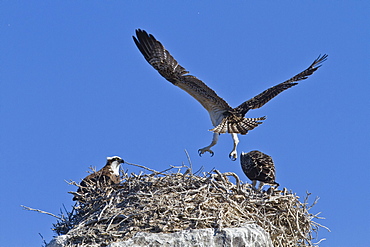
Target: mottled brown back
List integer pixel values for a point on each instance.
(258, 166)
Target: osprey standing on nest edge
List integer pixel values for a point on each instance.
(224, 118)
(260, 167)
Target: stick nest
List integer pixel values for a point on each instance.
(161, 202)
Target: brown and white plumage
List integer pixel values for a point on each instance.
(258, 166)
(107, 176)
(225, 119)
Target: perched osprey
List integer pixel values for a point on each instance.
(106, 176)
(258, 167)
(224, 118)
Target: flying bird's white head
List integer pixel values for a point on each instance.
(114, 163)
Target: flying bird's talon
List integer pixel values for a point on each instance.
(203, 150)
(232, 158)
(233, 155)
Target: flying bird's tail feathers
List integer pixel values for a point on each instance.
(238, 125)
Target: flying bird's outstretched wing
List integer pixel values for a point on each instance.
(157, 56)
(264, 97)
(224, 118)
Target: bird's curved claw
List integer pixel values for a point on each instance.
(203, 150)
(233, 156)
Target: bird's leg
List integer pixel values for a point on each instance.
(208, 148)
(233, 155)
(254, 182)
(261, 184)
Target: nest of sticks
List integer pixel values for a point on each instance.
(165, 202)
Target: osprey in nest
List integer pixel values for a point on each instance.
(225, 119)
(107, 176)
(258, 167)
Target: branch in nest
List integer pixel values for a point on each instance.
(144, 167)
(43, 212)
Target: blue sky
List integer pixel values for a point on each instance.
(75, 89)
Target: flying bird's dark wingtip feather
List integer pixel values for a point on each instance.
(319, 60)
(135, 40)
(137, 31)
(323, 57)
(141, 34)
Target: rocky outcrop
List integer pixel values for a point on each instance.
(250, 235)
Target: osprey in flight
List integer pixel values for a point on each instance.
(258, 167)
(225, 119)
(106, 176)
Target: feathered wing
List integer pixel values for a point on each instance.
(234, 122)
(101, 178)
(157, 56)
(264, 97)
